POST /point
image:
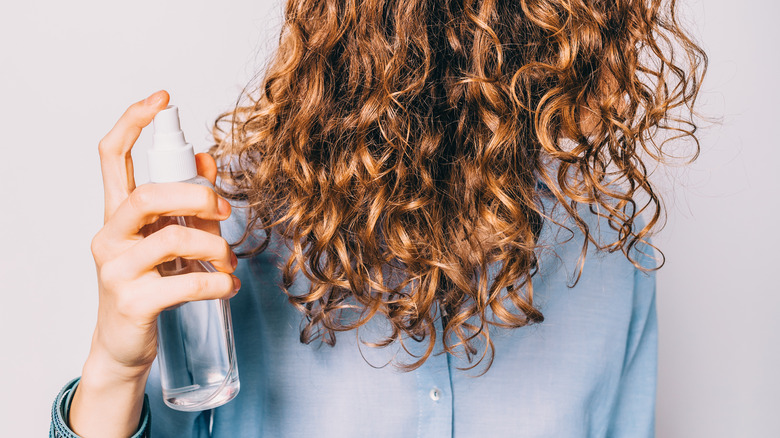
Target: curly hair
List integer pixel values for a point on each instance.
(397, 146)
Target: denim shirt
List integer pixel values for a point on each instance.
(588, 370)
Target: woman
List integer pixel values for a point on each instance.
(439, 226)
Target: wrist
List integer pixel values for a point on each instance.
(101, 371)
(108, 400)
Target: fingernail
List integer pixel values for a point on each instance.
(223, 206)
(154, 98)
(236, 284)
(233, 259)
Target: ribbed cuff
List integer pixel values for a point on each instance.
(60, 411)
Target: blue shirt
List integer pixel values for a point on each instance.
(588, 370)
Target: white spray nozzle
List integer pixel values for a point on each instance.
(171, 158)
(167, 129)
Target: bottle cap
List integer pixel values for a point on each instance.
(171, 158)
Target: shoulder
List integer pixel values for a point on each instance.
(592, 234)
(580, 265)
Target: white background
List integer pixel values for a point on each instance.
(69, 69)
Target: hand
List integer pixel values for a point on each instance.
(131, 291)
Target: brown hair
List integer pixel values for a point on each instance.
(396, 146)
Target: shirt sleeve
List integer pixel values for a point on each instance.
(633, 414)
(61, 408)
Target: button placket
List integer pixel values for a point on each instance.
(435, 382)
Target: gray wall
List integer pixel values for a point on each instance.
(718, 296)
(69, 69)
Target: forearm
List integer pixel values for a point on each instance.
(107, 402)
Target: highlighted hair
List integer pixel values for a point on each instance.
(397, 145)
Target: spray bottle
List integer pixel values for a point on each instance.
(195, 347)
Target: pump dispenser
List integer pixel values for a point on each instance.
(171, 158)
(195, 347)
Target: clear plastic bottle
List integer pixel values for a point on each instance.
(195, 347)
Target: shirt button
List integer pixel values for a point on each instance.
(435, 394)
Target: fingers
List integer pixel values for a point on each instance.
(212, 227)
(150, 201)
(167, 244)
(115, 161)
(166, 292)
(207, 167)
